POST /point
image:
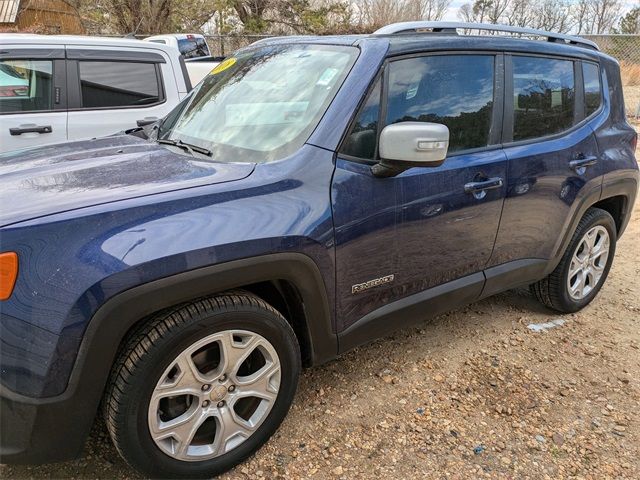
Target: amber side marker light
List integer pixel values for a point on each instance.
(8, 273)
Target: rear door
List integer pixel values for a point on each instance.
(553, 155)
(32, 96)
(111, 91)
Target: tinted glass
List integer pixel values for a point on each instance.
(455, 90)
(544, 96)
(118, 84)
(592, 96)
(193, 47)
(26, 85)
(262, 104)
(361, 141)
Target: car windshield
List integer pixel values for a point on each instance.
(262, 104)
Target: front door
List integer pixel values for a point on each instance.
(399, 236)
(32, 97)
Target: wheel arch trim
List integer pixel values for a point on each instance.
(110, 324)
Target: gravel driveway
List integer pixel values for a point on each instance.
(473, 393)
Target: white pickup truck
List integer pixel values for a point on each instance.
(58, 88)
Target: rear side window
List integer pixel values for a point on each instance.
(193, 47)
(544, 96)
(454, 90)
(592, 89)
(26, 85)
(118, 84)
(361, 142)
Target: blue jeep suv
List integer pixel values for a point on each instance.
(310, 195)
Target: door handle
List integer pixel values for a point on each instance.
(489, 184)
(30, 129)
(583, 162)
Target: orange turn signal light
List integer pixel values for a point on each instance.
(8, 273)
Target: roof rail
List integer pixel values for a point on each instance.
(452, 27)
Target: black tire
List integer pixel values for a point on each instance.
(552, 291)
(151, 350)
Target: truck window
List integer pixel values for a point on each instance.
(193, 47)
(26, 85)
(118, 84)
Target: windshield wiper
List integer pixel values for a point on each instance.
(185, 146)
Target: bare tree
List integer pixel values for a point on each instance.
(595, 16)
(552, 15)
(428, 9)
(484, 11)
(520, 13)
(630, 23)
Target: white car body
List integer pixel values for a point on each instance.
(88, 86)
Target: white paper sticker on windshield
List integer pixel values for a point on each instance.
(326, 77)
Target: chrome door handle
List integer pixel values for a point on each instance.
(583, 162)
(489, 184)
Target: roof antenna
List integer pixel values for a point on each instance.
(135, 31)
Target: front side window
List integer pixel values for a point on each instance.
(118, 84)
(543, 97)
(592, 95)
(26, 85)
(454, 90)
(262, 104)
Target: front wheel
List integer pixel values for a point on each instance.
(200, 388)
(584, 266)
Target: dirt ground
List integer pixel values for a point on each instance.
(472, 393)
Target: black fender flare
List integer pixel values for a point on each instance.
(623, 183)
(51, 435)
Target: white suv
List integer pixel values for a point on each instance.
(59, 88)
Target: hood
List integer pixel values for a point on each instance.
(62, 177)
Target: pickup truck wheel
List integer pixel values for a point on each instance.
(201, 387)
(584, 266)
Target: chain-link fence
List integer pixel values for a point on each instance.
(222, 45)
(626, 48)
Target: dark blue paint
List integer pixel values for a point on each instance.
(90, 220)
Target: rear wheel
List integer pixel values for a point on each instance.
(584, 267)
(200, 388)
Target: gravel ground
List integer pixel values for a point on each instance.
(470, 394)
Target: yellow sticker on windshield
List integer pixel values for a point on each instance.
(221, 67)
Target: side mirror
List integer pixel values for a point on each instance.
(411, 144)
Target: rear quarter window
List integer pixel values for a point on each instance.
(592, 88)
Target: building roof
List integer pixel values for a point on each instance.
(9, 10)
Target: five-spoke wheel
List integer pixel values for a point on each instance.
(214, 395)
(198, 389)
(583, 268)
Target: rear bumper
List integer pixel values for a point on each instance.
(47, 430)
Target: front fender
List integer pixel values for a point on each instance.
(45, 433)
